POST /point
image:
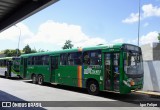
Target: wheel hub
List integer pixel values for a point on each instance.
(93, 87)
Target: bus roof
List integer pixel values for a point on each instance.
(118, 45)
(6, 58)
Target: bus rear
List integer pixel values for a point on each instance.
(4, 65)
(9, 66)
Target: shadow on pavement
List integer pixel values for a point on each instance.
(12, 78)
(133, 98)
(5, 97)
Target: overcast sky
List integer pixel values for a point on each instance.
(86, 23)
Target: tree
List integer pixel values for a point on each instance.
(7, 52)
(10, 53)
(27, 49)
(67, 45)
(41, 50)
(100, 44)
(33, 51)
(159, 37)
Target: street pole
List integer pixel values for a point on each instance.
(139, 20)
(18, 38)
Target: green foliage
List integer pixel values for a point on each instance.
(99, 44)
(9, 53)
(27, 49)
(33, 51)
(17, 52)
(159, 37)
(41, 50)
(67, 45)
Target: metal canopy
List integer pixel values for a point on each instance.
(14, 11)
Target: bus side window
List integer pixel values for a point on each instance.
(79, 58)
(95, 58)
(21, 61)
(5, 62)
(30, 61)
(74, 58)
(63, 59)
(116, 63)
(116, 59)
(71, 59)
(45, 60)
(38, 60)
(86, 58)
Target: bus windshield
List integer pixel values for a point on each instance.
(133, 65)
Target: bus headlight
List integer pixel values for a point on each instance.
(132, 83)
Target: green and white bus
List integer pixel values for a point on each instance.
(116, 68)
(9, 66)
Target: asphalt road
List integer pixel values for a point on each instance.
(63, 96)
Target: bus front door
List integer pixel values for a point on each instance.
(111, 71)
(53, 67)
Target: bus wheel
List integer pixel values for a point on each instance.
(34, 79)
(93, 87)
(19, 77)
(40, 79)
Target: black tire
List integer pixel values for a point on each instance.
(19, 77)
(93, 87)
(34, 79)
(40, 80)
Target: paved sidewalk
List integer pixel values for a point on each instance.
(152, 93)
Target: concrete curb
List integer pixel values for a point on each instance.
(151, 93)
